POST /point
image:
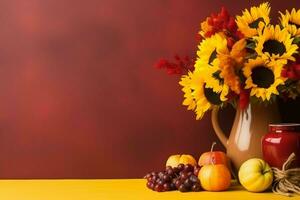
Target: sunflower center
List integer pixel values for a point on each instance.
(274, 47)
(217, 76)
(212, 56)
(293, 23)
(211, 96)
(262, 76)
(255, 23)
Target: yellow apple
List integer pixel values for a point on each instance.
(175, 160)
(255, 175)
(187, 159)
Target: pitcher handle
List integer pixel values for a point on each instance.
(215, 123)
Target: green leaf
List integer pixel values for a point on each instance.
(233, 103)
(251, 56)
(241, 76)
(250, 44)
(296, 40)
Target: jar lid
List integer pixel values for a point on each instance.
(278, 128)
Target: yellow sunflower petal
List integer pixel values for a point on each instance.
(274, 43)
(263, 77)
(291, 21)
(197, 95)
(251, 22)
(208, 51)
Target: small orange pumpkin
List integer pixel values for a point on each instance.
(213, 157)
(215, 177)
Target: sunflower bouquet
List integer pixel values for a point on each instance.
(241, 60)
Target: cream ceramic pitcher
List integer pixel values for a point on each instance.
(249, 126)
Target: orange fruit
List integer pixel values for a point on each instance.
(215, 177)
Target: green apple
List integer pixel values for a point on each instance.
(255, 175)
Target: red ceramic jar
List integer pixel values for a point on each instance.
(280, 142)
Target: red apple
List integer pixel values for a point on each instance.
(213, 157)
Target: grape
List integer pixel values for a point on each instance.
(176, 170)
(167, 187)
(170, 172)
(187, 183)
(196, 171)
(194, 179)
(182, 188)
(196, 187)
(160, 181)
(178, 183)
(169, 168)
(150, 179)
(153, 173)
(166, 178)
(158, 188)
(160, 175)
(154, 178)
(152, 185)
(149, 185)
(172, 186)
(184, 178)
(188, 168)
(183, 175)
(180, 167)
(174, 180)
(148, 176)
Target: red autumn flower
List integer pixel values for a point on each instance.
(178, 66)
(222, 22)
(244, 99)
(292, 70)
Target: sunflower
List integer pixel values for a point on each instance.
(254, 20)
(215, 82)
(291, 21)
(193, 88)
(189, 100)
(263, 77)
(198, 96)
(202, 102)
(208, 51)
(274, 43)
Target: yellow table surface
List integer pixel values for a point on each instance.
(113, 189)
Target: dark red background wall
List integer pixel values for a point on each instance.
(79, 97)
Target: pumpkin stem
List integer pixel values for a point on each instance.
(212, 146)
(212, 160)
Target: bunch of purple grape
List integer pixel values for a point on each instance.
(183, 178)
